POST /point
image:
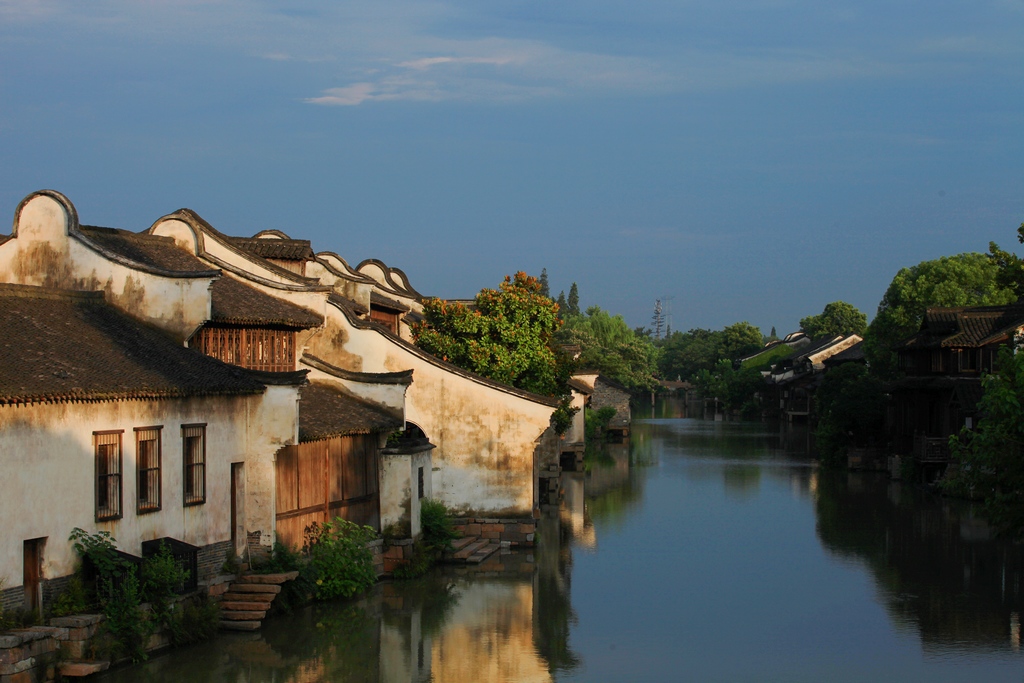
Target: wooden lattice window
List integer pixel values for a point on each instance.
(147, 459)
(193, 450)
(107, 447)
(250, 347)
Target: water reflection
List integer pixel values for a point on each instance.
(695, 550)
(938, 569)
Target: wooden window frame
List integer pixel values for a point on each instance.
(148, 477)
(255, 348)
(193, 472)
(104, 479)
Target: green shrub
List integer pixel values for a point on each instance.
(595, 421)
(162, 578)
(72, 600)
(194, 622)
(436, 523)
(125, 621)
(340, 561)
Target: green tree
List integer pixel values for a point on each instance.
(1011, 267)
(738, 390)
(684, 354)
(838, 318)
(572, 304)
(609, 345)
(851, 411)
(545, 290)
(561, 305)
(740, 339)
(506, 337)
(992, 457)
(968, 279)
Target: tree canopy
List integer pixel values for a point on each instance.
(838, 318)
(992, 456)
(609, 345)
(684, 354)
(968, 279)
(507, 336)
(1010, 274)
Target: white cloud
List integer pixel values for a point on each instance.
(350, 95)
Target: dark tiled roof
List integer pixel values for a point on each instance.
(967, 327)
(237, 303)
(345, 304)
(151, 250)
(276, 248)
(326, 411)
(381, 301)
(72, 346)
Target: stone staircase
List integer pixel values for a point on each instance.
(471, 550)
(248, 600)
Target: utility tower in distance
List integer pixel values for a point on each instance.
(658, 319)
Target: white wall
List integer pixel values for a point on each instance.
(46, 252)
(48, 453)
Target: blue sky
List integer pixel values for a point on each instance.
(752, 159)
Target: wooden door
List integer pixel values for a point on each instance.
(33, 574)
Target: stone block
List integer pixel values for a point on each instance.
(77, 620)
(75, 649)
(527, 528)
(21, 677)
(529, 538)
(472, 530)
(18, 666)
(492, 527)
(9, 640)
(491, 535)
(80, 669)
(83, 633)
(489, 520)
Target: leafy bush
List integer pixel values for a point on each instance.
(162, 578)
(194, 622)
(438, 531)
(595, 422)
(72, 600)
(126, 622)
(438, 534)
(342, 564)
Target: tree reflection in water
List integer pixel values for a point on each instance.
(937, 567)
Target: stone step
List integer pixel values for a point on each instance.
(241, 615)
(231, 596)
(469, 549)
(254, 588)
(244, 606)
(72, 669)
(483, 553)
(240, 625)
(460, 543)
(276, 579)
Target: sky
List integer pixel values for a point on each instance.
(743, 160)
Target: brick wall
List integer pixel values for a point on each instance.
(211, 559)
(12, 598)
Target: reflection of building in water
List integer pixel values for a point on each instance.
(573, 512)
(489, 636)
(936, 566)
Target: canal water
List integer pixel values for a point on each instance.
(696, 551)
